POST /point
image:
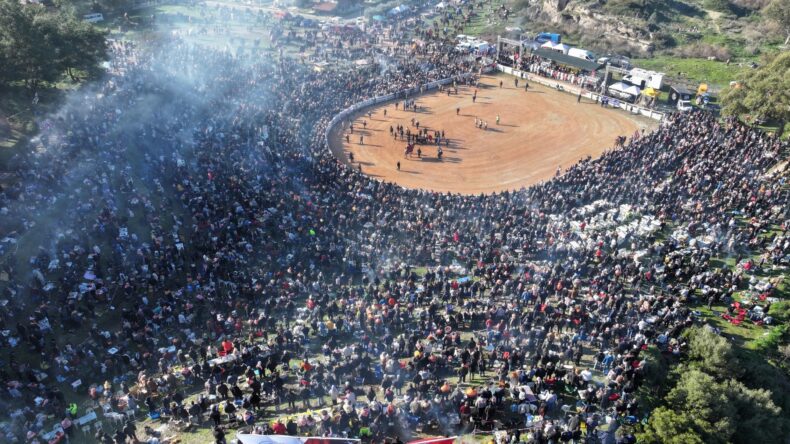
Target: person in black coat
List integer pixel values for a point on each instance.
(222, 389)
(194, 411)
(120, 437)
(236, 392)
(291, 427)
(131, 430)
(150, 404)
(215, 415)
(255, 400)
(219, 436)
(230, 409)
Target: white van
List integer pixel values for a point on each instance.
(481, 46)
(581, 54)
(463, 47)
(684, 105)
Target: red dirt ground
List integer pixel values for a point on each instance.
(539, 131)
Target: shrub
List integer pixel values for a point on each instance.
(712, 353)
(780, 311)
(718, 5)
(703, 51)
(752, 5)
(771, 341)
(663, 40)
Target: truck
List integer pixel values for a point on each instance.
(615, 60)
(480, 46)
(684, 105)
(681, 97)
(644, 78)
(544, 37)
(463, 47)
(581, 54)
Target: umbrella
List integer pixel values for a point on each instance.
(650, 92)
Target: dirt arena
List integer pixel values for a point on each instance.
(539, 131)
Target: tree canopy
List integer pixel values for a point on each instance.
(763, 92)
(41, 45)
(779, 11)
(714, 354)
(708, 404)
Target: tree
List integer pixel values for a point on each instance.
(779, 12)
(762, 92)
(667, 426)
(708, 404)
(698, 410)
(784, 353)
(84, 46)
(37, 45)
(713, 354)
(25, 44)
(717, 5)
(759, 419)
(654, 18)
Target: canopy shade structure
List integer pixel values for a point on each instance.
(564, 59)
(559, 47)
(633, 90)
(650, 92)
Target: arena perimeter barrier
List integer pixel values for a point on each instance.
(634, 109)
(403, 94)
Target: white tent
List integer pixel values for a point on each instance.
(441, 5)
(633, 90)
(399, 10)
(559, 47)
(619, 86)
(625, 88)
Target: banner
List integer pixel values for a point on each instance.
(249, 438)
(449, 440)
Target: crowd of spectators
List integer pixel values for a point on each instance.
(182, 245)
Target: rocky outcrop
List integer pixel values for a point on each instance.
(565, 11)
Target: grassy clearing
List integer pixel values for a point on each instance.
(18, 115)
(747, 335)
(772, 127)
(744, 335)
(17, 120)
(701, 70)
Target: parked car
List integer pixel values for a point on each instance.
(684, 105)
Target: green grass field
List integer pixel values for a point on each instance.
(701, 70)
